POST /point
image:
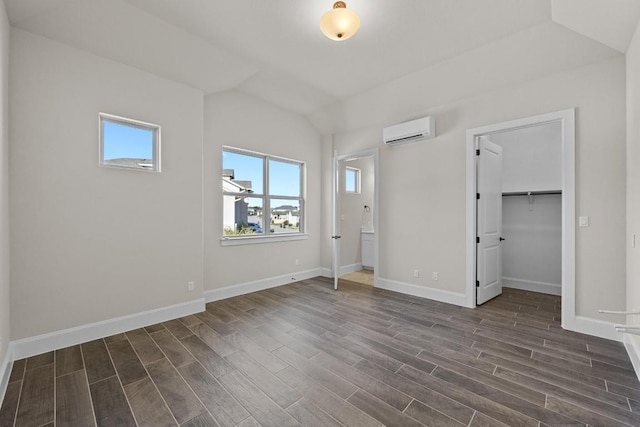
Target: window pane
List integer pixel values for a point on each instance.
(242, 215)
(284, 178)
(285, 216)
(242, 173)
(351, 180)
(259, 201)
(128, 144)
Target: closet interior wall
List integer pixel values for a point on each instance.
(532, 208)
(532, 251)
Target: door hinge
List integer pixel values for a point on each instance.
(477, 196)
(477, 283)
(478, 152)
(477, 239)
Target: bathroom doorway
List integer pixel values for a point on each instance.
(356, 217)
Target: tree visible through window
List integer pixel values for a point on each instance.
(262, 194)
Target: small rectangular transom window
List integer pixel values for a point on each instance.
(127, 143)
(352, 180)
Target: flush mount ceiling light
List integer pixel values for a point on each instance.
(339, 23)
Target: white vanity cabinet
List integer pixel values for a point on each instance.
(368, 248)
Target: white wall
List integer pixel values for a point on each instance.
(531, 158)
(5, 330)
(241, 121)
(352, 207)
(633, 185)
(90, 243)
(428, 178)
(532, 251)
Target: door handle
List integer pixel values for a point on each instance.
(502, 238)
(336, 237)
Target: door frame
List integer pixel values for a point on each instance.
(374, 152)
(567, 119)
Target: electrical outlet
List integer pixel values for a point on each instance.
(416, 273)
(191, 286)
(435, 275)
(297, 261)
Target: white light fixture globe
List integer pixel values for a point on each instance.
(339, 23)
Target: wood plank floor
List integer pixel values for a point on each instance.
(303, 354)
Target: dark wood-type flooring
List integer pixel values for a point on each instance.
(303, 354)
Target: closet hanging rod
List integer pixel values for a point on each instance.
(530, 193)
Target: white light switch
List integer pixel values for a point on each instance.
(583, 221)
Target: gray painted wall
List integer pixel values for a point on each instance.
(5, 330)
(531, 158)
(532, 251)
(532, 161)
(241, 121)
(428, 178)
(90, 243)
(633, 181)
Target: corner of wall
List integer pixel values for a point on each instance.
(632, 343)
(5, 320)
(6, 365)
(633, 350)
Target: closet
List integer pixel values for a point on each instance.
(532, 208)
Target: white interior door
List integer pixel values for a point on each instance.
(489, 221)
(335, 229)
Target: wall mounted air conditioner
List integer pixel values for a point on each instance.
(414, 130)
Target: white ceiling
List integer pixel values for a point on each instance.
(274, 49)
(610, 22)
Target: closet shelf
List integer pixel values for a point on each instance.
(530, 193)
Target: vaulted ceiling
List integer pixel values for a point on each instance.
(274, 50)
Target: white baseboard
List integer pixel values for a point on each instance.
(597, 328)
(633, 349)
(422, 291)
(346, 269)
(581, 324)
(5, 371)
(259, 285)
(39, 344)
(533, 286)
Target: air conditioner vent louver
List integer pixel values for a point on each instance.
(406, 139)
(413, 130)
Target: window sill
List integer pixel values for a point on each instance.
(251, 240)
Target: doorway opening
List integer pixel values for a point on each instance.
(355, 217)
(544, 193)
